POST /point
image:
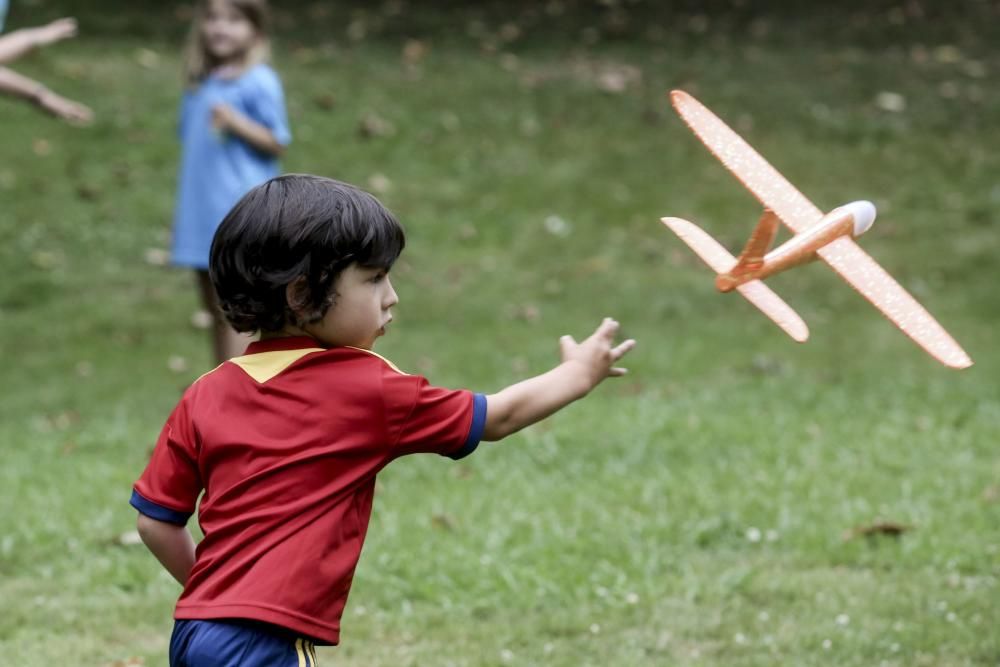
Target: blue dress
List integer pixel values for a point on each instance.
(3, 13)
(218, 168)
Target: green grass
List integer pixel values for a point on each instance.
(692, 513)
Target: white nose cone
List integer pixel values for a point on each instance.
(863, 213)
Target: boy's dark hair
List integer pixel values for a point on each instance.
(296, 226)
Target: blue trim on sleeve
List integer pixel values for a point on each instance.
(156, 511)
(475, 429)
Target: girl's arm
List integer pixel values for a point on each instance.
(228, 119)
(172, 545)
(21, 86)
(19, 42)
(584, 366)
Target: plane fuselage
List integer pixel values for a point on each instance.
(850, 220)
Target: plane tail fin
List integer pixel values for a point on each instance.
(752, 257)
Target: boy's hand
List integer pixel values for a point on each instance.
(584, 365)
(57, 30)
(597, 354)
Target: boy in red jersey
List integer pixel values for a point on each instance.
(283, 444)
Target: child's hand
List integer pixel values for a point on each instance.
(598, 354)
(223, 116)
(59, 106)
(57, 30)
(584, 365)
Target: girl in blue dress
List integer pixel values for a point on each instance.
(233, 128)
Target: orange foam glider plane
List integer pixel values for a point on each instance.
(829, 237)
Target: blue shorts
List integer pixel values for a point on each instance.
(237, 643)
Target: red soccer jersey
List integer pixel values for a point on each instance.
(285, 442)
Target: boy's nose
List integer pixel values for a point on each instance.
(391, 298)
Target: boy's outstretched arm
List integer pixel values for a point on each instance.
(584, 366)
(172, 545)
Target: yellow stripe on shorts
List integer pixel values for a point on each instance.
(299, 652)
(306, 651)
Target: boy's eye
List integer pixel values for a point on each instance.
(378, 277)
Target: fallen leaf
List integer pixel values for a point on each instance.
(509, 32)
(948, 54)
(379, 183)
(157, 256)
(147, 58)
(129, 538)
(357, 30)
(557, 226)
(46, 259)
(527, 312)
(41, 147)
(372, 125)
(889, 528)
(177, 363)
(88, 191)
(325, 101)
(461, 471)
(414, 51)
(202, 319)
(890, 101)
(509, 62)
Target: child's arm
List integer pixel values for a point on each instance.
(21, 86)
(584, 365)
(227, 119)
(19, 42)
(172, 545)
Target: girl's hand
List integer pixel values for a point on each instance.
(60, 107)
(598, 354)
(222, 117)
(56, 31)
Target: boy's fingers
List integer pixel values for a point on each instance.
(623, 349)
(617, 372)
(608, 328)
(566, 343)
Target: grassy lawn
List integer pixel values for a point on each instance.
(700, 510)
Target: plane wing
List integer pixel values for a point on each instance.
(875, 284)
(844, 256)
(718, 258)
(763, 181)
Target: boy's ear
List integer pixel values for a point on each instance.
(297, 296)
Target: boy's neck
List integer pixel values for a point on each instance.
(273, 335)
(287, 331)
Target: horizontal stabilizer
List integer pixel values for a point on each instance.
(756, 292)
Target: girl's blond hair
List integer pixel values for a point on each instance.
(199, 63)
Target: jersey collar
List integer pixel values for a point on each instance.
(282, 344)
